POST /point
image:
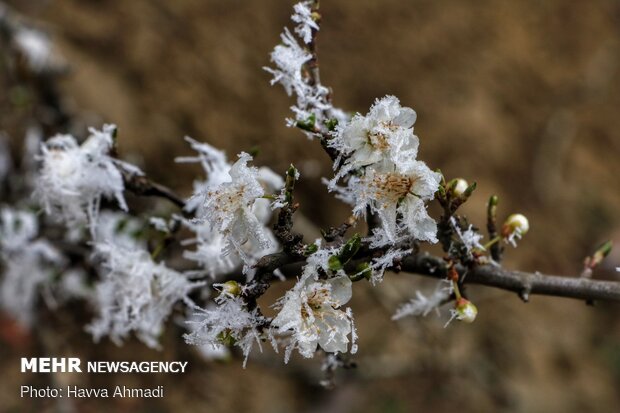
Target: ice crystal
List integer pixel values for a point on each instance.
(380, 264)
(422, 305)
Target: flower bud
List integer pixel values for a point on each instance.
(515, 224)
(459, 186)
(465, 310)
(231, 288)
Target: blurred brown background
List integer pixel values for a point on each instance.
(522, 97)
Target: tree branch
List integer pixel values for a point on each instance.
(143, 186)
(522, 283)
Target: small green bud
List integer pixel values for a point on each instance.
(458, 186)
(226, 338)
(308, 124)
(331, 124)
(334, 263)
(465, 310)
(311, 249)
(515, 223)
(601, 253)
(231, 288)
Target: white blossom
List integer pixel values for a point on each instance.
(377, 161)
(311, 312)
(383, 137)
(135, 294)
(397, 197)
(74, 178)
(231, 229)
(229, 209)
(305, 23)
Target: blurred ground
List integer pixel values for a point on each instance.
(522, 97)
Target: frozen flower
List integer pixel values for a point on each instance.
(311, 312)
(29, 264)
(423, 305)
(305, 22)
(135, 294)
(213, 244)
(384, 135)
(397, 197)
(227, 322)
(228, 208)
(74, 178)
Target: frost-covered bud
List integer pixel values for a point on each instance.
(515, 224)
(459, 186)
(465, 311)
(231, 288)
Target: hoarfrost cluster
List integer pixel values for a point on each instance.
(74, 178)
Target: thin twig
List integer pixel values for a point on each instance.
(143, 186)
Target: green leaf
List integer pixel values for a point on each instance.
(349, 249)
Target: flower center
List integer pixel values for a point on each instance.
(391, 186)
(380, 140)
(316, 300)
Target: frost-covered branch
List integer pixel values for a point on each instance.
(239, 234)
